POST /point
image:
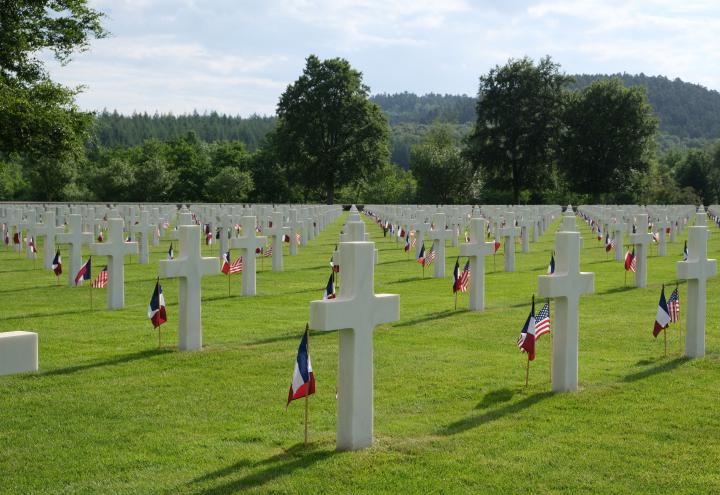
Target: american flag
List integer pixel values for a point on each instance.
(31, 245)
(630, 261)
(268, 251)
(297, 239)
(237, 266)
(101, 279)
(655, 237)
(542, 321)
(609, 243)
(430, 258)
(674, 306)
(461, 280)
(413, 239)
(497, 245)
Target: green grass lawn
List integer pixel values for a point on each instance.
(109, 412)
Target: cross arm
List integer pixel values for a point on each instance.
(560, 286)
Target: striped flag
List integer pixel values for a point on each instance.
(237, 266)
(461, 279)
(268, 250)
(31, 245)
(330, 287)
(497, 245)
(609, 243)
(630, 261)
(101, 280)
(662, 318)
(57, 264)
(526, 341)
(413, 239)
(674, 306)
(156, 308)
(303, 381)
(542, 321)
(226, 263)
(430, 258)
(85, 272)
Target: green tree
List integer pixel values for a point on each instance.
(329, 133)
(38, 118)
(518, 123)
(230, 185)
(190, 158)
(696, 171)
(608, 135)
(443, 174)
(155, 177)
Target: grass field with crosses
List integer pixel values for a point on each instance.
(111, 412)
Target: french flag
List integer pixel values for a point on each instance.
(303, 381)
(330, 287)
(526, 341)
(85, 272)
(57, 264)
(497, 245)
(156, 309)
(662, 319)
(226, 263)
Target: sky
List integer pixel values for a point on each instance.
(238, 56)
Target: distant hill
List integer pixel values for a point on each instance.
(689, 115)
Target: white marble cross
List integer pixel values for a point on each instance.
(189, 267)
(115, 248)
(293, 226)
(439, 234)
(509, 232)
(641, 239)
(145, 228)
(48, 231)
(276, 232)
(76, 238)
(476, 250)
(420, 228)
(247, 244)
(355, 312)
(226, 227)
(696, 270)
(618, 231)
(29, 225)
(566, 285)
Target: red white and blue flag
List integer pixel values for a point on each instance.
(57, 264)
(236, 266)
(630, 261)
(303, 381)
(542, 321)
(407, 243)
(497, 246)
(31, 245)
(330, 287)
(85, 272)
(430, 258)
(685, 252)
(156, 309)
(421, 255)
(171, 253)
(551, 266)
(461, 279)
(662, 318)
(609, 243)
(526, 341)
(226, 263)
(674, 306)
(101, 280)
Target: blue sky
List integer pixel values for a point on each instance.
(237, 57)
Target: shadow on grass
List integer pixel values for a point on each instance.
(660, 368)
(430, 317)
(475, 421)
(281, 338)
(615, 290)
(294, 459)
(127, 358)
(410, 279)
(495, 397)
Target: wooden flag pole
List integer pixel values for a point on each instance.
(665, 338)
(91, 301)
(228, 277)
(527, 371)
(307, 391)
(551, 342)
(455, 300)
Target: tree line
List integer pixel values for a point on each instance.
(532, 134)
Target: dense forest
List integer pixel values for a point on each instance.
(689, 116)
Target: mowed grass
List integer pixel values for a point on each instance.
(110, 412)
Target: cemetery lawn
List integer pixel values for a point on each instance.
(110, 412)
